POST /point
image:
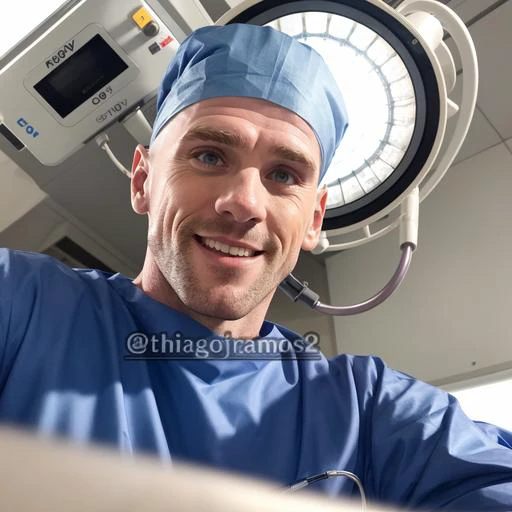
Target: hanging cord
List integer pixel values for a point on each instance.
(329, 474)
(137, 125)
(102, 140)
(299, 291)
(378, 298)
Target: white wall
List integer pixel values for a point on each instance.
(18, 192)
(452, 316)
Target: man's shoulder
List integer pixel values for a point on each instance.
(32, 281)
(17, 266)
(13, 259)
(46, 304)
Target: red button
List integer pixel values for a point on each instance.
(166, 41)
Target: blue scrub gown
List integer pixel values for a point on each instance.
(64, 371)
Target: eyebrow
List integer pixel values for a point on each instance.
(238, 141)
(294, 155)
(216, 135)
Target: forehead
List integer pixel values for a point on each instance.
(254, 117)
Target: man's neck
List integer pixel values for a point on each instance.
(153, 283)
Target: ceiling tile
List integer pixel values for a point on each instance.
(215, 8)
(468, 9)
(493, 41)
(19, 195)
(29, 232)
(481, 135)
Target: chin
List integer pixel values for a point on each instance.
(221, 304)
(218, 313)
(221, 310)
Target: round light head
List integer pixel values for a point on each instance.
(391, 95)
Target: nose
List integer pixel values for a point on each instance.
(243, 197)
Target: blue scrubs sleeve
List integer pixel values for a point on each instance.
(5, 310)
(425, 452)
(19, 287)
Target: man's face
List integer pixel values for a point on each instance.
(230, 188)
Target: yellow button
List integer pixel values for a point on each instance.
(142, 17)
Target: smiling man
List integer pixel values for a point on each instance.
(248, 121)
(230, 189)
(230, 184)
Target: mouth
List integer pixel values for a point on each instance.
(224, 249)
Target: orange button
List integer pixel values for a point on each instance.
(142, 17)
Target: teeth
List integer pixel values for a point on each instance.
(227, 249)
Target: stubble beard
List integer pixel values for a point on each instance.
(223, 300)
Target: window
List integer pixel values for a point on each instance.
(487, 401)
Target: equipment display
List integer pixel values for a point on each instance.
(97, 63)
(74, 82)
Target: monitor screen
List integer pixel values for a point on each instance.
(78, 78)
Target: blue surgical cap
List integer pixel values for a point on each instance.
(255, 62)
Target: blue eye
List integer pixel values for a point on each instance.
(209, 158)
(285, 177)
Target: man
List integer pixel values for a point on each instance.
(248, 120)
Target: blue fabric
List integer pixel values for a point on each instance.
(257, 62)
(63, 372)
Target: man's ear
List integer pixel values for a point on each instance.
(315, 228)
(139, 185)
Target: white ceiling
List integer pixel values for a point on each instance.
(93, 192)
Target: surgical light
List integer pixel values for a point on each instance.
(396, 74)
(379, 95)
